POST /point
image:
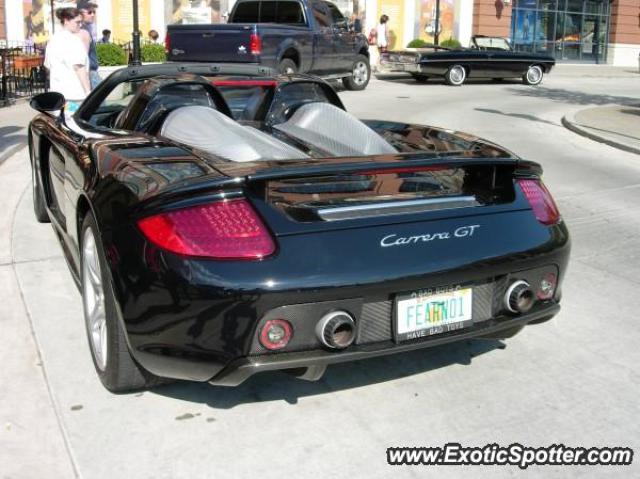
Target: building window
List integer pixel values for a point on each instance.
(572, 30)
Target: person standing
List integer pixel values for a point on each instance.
(88, 11)
(106, 36)
(382, 31)
(67, 61)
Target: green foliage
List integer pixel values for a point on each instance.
(110, 54)
(417, 43)
(153, 52)
(450, 43)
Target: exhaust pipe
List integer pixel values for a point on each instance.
(336, 330)
(519, 297)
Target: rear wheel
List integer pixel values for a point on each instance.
(39, 206)
(360, 74)
(287, 66)
(111, 357)
(419, 77)
(456, 75)
(533, 76)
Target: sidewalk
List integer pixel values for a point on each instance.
(13, 128)
(615, 125)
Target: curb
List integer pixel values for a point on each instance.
(570, 123)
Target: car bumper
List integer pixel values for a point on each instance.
(391, 67)
(313, 363)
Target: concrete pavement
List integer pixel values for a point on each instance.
(573, 380)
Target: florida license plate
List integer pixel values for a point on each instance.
(420, 314)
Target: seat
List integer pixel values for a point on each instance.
(333, 130)
(209, 130)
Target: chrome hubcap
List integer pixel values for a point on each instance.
(360, 73)
(534, 74)
(457, 74)
(93, 299)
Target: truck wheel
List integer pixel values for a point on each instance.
(456, 75)
(111, 357)
(287, 66)
(533, 76)
(360, 74)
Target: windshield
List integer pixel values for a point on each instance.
(492, 43)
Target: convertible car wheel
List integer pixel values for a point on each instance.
(361, 73)
(113, 362)
(533, 76)
(456, 75)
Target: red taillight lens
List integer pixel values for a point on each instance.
(541, 201)
(276, 334)
(225, 230)
(167, 43)
(255, 44)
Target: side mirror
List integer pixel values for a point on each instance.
(47, 102)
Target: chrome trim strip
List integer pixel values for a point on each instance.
(395, 207)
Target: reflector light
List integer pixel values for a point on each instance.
(547, 286)
(541, 201)
(255, 44)
(276, 334)
(226, 230)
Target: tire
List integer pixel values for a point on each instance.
(533, 76)
(116, 369)
(456, 75)
(420, 78)
(287, 66)
(360, 74)
(39, 205)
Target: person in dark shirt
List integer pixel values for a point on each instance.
(106, 36)
(88, 11)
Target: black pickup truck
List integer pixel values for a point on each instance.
(303, 36)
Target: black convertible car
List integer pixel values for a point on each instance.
(488, 57)
(221, 220)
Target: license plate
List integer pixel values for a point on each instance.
(419, 315)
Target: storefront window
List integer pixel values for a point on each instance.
(572, 30)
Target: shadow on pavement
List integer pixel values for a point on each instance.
(522, 116)
(9, 140)
(274, 386)
(407, 80)
(574, 97)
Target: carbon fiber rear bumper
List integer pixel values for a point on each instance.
(315, 362)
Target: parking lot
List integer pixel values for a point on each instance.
(573, 380)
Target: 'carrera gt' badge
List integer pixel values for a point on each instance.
(242, 50)
(395, 240)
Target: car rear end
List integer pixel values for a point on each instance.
(400, 61)
(311, 263)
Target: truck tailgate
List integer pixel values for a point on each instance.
(210, 43)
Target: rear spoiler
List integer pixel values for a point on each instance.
(232, 177)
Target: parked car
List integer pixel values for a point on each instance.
(292, 36)
(488, 57)
(222, 220)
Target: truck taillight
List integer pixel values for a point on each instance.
(228, 229)
(255, 44)
(167, 43)
(541, 201)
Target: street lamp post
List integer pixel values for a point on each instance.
(53, 18)
(136, 36)
(436, 35)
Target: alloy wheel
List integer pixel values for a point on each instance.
(93, 299)
(360, 73)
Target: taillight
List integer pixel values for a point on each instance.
(255, 44)
(167, 43)
(228, 229)
(541, 201)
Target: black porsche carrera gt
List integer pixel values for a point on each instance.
(221, 220)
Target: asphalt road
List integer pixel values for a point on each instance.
(573, 380)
